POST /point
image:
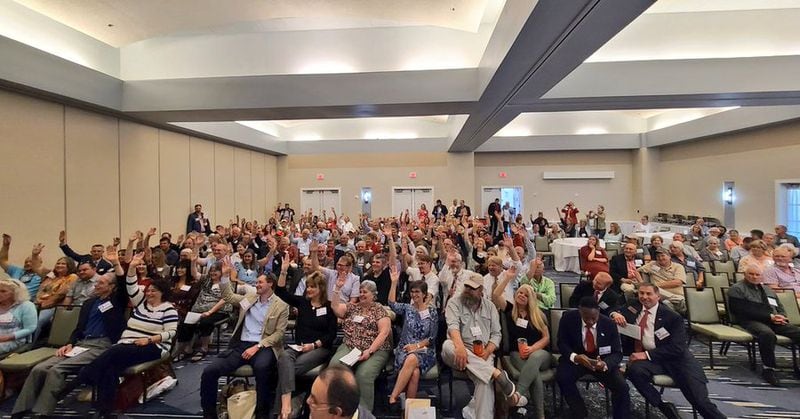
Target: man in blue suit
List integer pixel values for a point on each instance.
(662, 349)
(589, 345)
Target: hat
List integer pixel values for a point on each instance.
(474, 282)
(662, 251)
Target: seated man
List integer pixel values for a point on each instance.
(783, 274)
(689, 263)
(24, 274)
(623, 268)
(599, 289)
(760, 312)
(100, 324)
(544, 287)
(335, 394)
(644, 226)
(257, 340)
(473, 328)
(669, 277)
(589, 344)
(661, 349)
(95, 256)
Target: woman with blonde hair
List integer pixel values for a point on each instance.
(529, 338)
(758, 256)
(17, 315)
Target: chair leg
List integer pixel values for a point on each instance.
(450, 384)
(711, 352)
(144, 389)
(608, 403)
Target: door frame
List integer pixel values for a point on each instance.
(394, 188)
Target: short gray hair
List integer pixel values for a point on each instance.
(369, 286)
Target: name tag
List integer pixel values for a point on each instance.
(637, 262)
(244, 304)
(691, 263)
(783, 241)
(249, 271)
(770, 262)
(772, 301)
(604, 350)
(639, 251)
(186, 287)
(603, 305)
(522, 323)
(105, 306)
(598, 253)
(655, 268)
(6, 318)
(476, 331)
(155, 314)
(215, 287)
(322, 311)
(662, 334)
(718, 253)
(424, 314)
(358, 319)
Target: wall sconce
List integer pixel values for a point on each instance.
(727, 196)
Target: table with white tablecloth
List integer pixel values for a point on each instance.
(627, 227)
(565, 253)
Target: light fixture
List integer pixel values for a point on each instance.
(727, 196)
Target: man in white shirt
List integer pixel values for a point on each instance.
(644, 226)
(453, 275)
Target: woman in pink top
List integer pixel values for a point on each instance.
(733, 240)
(758, 256)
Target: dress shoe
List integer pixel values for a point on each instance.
(770, 377)
(669, 410)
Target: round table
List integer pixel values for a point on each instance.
(565, 253)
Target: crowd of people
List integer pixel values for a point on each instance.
(412, 292)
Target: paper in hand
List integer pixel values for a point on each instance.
(75, 351)
(351, 358)
(192, 318)
(630, 330)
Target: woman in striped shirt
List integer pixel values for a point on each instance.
(148, 337)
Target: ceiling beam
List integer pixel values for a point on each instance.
(557, 37)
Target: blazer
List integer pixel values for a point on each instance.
(113, 318)
(672, 352)
(274, 325)
(610, 298)
(570, 338)
(618, 268)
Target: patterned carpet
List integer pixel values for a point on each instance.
(738, 391)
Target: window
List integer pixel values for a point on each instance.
(792, 209)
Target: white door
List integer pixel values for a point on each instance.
(402, 200)
(424, 196)
(488, 196)
(309, 200)
(318, 200)
(331, 199)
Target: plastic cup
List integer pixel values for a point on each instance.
(522, 346)
(477, 347)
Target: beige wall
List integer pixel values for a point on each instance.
(526, 168)
(449, 174)
(692, 174)
(100, 177)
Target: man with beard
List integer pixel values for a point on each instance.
(473, 329)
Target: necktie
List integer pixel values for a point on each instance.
(638, 346)
(597, 296)
(591, 348)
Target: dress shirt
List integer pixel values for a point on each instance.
(460, 317)
(648, 335)
(254, 320)
(584, 330)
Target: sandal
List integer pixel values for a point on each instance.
(181, 357)
(199, 356)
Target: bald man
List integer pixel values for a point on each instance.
(783, 274)
(760, 312)
(600, 288)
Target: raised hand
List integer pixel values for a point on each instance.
(62, 238)
(138, 259)
(112, 255)
(37, 249)
(152, 231)
(394, 274)
(313, 247)
(6, 240)
(116, 241)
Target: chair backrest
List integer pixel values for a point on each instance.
(615, 246)
(566, 289)
(645, 277)
(691, 278)
(541, 243)
(611, 253)
(701, 305)
(738, 276)
(64, 321)
(725, 267)
(555, 318)
(717, 283)
(707, 267)
(789, 302)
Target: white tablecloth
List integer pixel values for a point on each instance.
(665, 236)
(565, 253)
(627, 227)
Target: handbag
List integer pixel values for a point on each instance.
(242, 405)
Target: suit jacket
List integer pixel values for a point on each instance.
(671, 352)
(274, 325)
(364, 413)
(610, 297)
(570, 338)
(618, 268)
(113, 318)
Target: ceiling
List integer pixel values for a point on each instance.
(312, 76)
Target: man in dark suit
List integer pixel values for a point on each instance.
(661, 349)
(623, 267)
(589, 344)
(600, 289)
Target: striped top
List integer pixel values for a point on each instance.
(147, 321)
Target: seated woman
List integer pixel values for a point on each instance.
(315, 332)
(758, 256)
(211, 307)
(246, 271)
(583, 229)
(17, 316)
(366, 328)
(614, 233)
(713, 252)
(656, 242)
(184, 290)
(593, 258)
(53, 288)
(555, 232)
(147, 337)
(415, 354)
(528, 338)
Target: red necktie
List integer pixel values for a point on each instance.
(638, 346)
(591, 348)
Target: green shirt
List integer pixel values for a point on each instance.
(546, 287)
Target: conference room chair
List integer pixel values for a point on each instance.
(789, 302)
(727, 268)
(565, 290)
(717, 283)
(704, 320)
(663, 381)
(543, 249)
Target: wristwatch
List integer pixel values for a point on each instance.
(260, 346)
